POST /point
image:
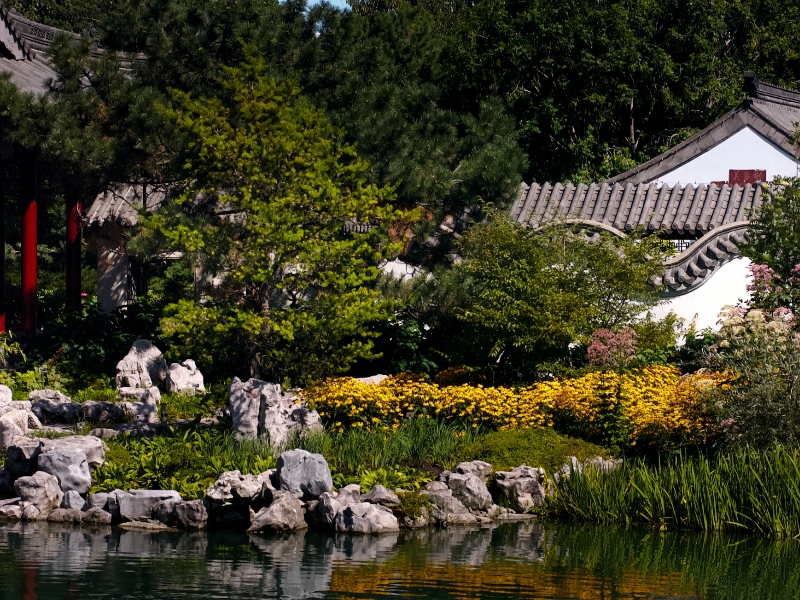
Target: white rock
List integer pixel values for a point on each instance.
(303, 474)
(143, 366)
(73, 500)
(258, 408)
(51, 395)
(69, 466)
(373, 379)
(185, 377)
(365, 518)
(6, 395)
(40, 490)
(284, 514)
(470, 490)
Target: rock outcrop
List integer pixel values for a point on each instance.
(522, 487)
(69, 466)
(366, 518)
(39, 491)
(143, 367)
(259, 409)
(285, 513)
(303, 474)
(185, 378)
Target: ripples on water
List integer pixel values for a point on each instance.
(529, 560)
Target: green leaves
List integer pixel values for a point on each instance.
(271, 194)
(536, 292)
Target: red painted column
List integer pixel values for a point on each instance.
(29, 223)
(2, 252)
(74, 210)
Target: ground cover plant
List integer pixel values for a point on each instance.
(746, 490)
(651, 406)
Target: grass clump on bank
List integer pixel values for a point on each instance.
(755, 491)
(543, 447)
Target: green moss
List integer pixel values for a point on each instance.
(413, 503)
(545, 448)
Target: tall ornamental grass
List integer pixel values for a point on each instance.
(756, 491)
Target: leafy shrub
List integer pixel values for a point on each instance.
(185, 406)
(758, 399)
(187, 461)
(544, 448)
(412, 504)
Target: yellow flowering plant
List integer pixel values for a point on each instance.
(656, 402)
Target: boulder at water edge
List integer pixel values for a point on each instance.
(69, 466)
(303, 474)
(96, 516)
(521, 487)
(258, 409)
(41, 491)
(366, 518)
(470, 490)
(136, 505)
(73, 500)
(284, 514)
(143, 366)
(380, 495)
(185, 378)
(191, 514)
(65, 515)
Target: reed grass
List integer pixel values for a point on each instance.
(746, 491)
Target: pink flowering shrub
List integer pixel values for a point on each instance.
(768, 291)
(609, 349)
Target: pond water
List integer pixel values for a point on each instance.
(526, 560)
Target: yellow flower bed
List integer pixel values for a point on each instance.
(655, 401)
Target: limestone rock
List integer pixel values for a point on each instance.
(327, 508)
(349, 494)
(284, 514)
(142, 412)
(138, 504)
(97, 501)
(373, 379)
(150, 395)
(69, 466)
(380, 495)
(103, 412)
(22, 457)
(65, 515)
(143, 366)
(52, 395)
(10, 513)
(232, 485)
(604, 465)
(96, 516)
(447, 508)
(191, 514)
(40, 490)
(53, 411)
(258, 408)
(185, 378)
(13, 425)
(303, 474)
(470, 490)
(73, 500)
(482, 470)
(365, 518)
(31, 513)
(92, 447)
(164, 511)
(103, 433)
(521, 487)
(6, 395)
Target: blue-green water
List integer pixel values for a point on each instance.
(529, 560)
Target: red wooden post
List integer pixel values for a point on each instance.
(29, 222)
(74, 210)
(2, 252)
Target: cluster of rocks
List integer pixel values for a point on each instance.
(261, 409)
(137, 404)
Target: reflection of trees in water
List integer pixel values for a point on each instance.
(51, 562)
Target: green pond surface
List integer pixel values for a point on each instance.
(526, 560)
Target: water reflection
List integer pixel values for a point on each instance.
(48, 562)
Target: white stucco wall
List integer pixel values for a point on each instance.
(726, 286)
(745, 149)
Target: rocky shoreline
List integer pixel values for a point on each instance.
(48, 480)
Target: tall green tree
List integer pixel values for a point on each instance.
(275, 206)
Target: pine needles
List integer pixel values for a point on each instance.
(755, 491)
